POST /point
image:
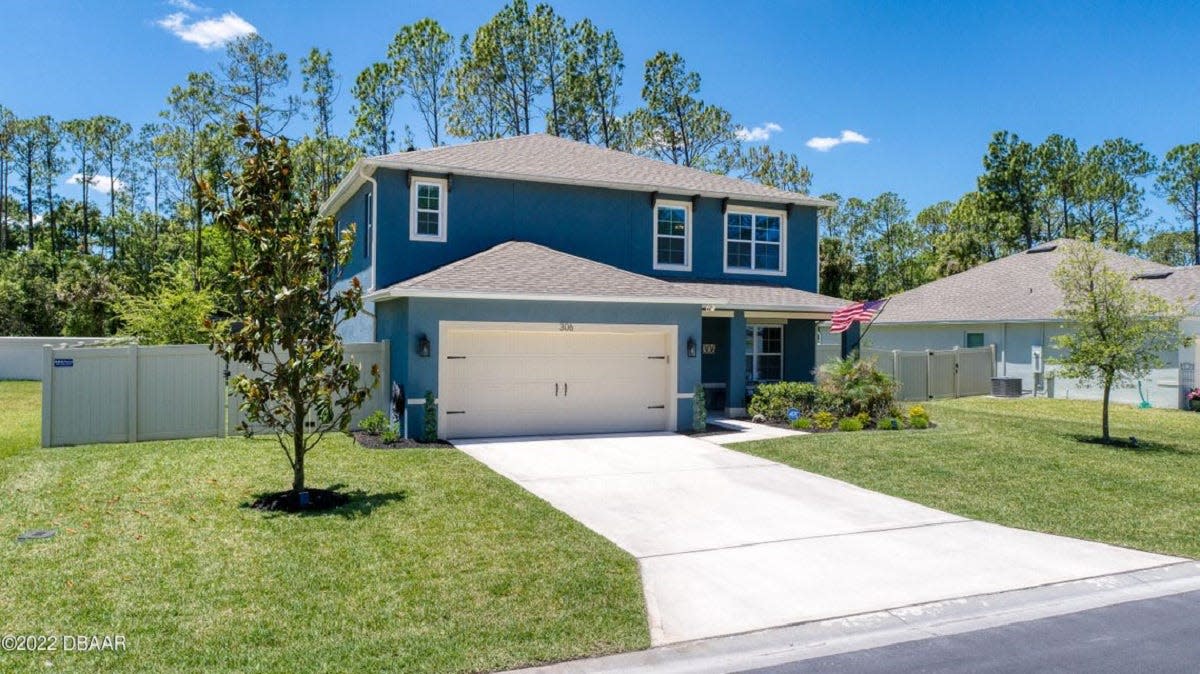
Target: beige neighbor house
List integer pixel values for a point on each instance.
(1010, 303)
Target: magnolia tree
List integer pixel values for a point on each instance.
(1117, 331)
(299, 383)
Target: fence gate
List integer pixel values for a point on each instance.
(943, 374)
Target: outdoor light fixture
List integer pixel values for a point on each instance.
(423, 346)
(691, 347)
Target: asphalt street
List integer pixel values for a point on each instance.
(1153, 635)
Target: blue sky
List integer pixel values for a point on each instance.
(926, 83)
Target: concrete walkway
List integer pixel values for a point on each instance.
(741, 430)
(731, 543)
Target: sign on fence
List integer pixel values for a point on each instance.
(132, 393)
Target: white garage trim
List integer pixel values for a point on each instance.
(669, 333)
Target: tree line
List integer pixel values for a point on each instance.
(135, 252)
(1025, 194)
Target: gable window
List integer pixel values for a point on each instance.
(673, 235)
(764, 353)
(754, 242)
(974, 340)
(368, 225)
(427, 219)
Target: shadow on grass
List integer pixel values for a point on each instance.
(360, 504)
(1133, 444)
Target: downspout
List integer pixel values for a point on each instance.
(374, 219)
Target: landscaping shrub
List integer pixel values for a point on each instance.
(850, 424)
(823, 420)
(856, 386)
(699, 410)
(375, 423)
(890, 424)
(390, 434)
(863, 418)
(773, 400)
(431, 425)
(917, 414)
(802, 424)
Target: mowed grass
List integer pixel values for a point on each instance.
(20, 416)
(1025, 463)
(439, 565)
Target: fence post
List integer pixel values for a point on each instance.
(992, 348)
(133, 392)
(47, 393)
(928, 373)
(222, 399)
(957, 383)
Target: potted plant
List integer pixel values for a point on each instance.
(1193, 398)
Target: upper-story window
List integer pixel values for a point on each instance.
(673, 235)
(755, 242)
(368, 224)
(427, 220)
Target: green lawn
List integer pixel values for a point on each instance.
(20, 416)
(1022, 463)
(441, 565)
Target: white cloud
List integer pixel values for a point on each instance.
(186, 5)
(827, 143)
(207, 33)
(99, 183)
(758, 133)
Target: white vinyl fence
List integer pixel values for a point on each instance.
(924, 375)
(132, 393)
(21, 357)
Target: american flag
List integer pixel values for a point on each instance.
(859, 312)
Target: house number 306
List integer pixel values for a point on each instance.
(566, 327)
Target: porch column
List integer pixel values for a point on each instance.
(735, 397)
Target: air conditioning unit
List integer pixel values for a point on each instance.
(1006, 387)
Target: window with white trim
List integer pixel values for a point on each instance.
(764, 353)
(673, 235)
(754, 242)
(427, 218)
(368, 224)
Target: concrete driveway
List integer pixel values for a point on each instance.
(730, 543)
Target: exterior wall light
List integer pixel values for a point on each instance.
(691, 347)
(423, 348)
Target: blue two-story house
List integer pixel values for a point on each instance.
(539, 285)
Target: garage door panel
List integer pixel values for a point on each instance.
(525, 382)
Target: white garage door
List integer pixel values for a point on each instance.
(536, 379)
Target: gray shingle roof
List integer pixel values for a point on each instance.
(1182, 286)
(545, 158)
(518, 268)
(764, 297)
(1019, 287)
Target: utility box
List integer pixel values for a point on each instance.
(1035, 359)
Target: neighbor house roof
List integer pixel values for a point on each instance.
(764, 297)
(1016, 288)
(522, 270)
(541, 157)
(1179, 284)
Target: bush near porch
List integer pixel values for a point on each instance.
(849, 394)
(437, 564)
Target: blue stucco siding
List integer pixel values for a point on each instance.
(404, 321)
(611, 226)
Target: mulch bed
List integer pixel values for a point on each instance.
(290, 501)
(376, 442)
